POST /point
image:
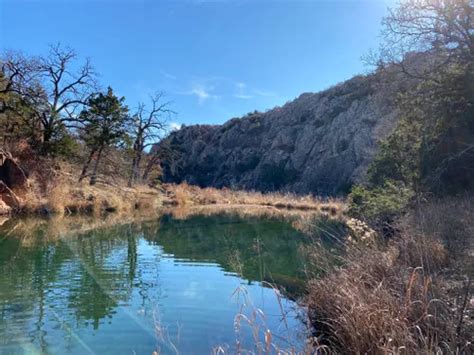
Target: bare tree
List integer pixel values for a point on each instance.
(67, 89)
(17, 71)
(18, 79)
(430, 45)
(148, 126)
(19, 88)
(53, 87)
(445, 28)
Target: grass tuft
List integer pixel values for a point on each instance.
(398, 296)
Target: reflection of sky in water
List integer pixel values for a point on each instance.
(121, 291)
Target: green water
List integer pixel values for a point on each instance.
(150, 286)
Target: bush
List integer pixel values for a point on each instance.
(65, 146)
(379, 206)
(398, 156)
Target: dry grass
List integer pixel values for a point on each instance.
(372, 305)
(53, 188)
(64, 195)
(61, 193)
(397, 297)
(60, 227)
(188, 195)
(295, 217)
(447, 220)
(251, 319)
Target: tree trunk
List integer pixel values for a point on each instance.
(135, 173)
(96, 165)
(47, 133)
(45, 144)
(137, 166)
(152, 162)
(86, 165)
(132, 172)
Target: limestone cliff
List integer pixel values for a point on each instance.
(318, 143)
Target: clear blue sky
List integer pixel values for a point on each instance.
(214, 59)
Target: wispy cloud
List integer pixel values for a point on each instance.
(201, 91)
(264, 93)
(243, 96)
(215, 87)
(143, 90)
(168, 75)
(174, 126)
(241, 91)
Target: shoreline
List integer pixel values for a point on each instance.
(67, 197)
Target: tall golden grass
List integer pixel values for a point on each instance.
(189, 195)
(398, 296)
(252, 318)
(63, 194)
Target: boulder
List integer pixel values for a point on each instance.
(4, 210)
(8, 196)
(12, 175)
(13, 184)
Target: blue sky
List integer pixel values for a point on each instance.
(213, 59)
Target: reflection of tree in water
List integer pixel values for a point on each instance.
(100, 287)
(25, 274)
(85, 278)
(88, 273)
(267, 249)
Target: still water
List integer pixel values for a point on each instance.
(167, 285)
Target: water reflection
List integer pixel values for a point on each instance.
(106, 290)
(267, 249)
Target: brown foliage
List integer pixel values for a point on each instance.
(400, 296)
(186, 195)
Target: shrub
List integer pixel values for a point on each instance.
(398, 156)
(379, 206)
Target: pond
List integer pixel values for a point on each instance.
(167, 285)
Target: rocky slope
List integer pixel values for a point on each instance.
(319, 143)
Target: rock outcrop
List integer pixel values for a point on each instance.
(13, 184)
(12, 175)
(319, 143)
(4, 209)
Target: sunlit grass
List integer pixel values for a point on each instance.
(189, 195)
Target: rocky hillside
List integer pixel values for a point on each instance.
(319, 143)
